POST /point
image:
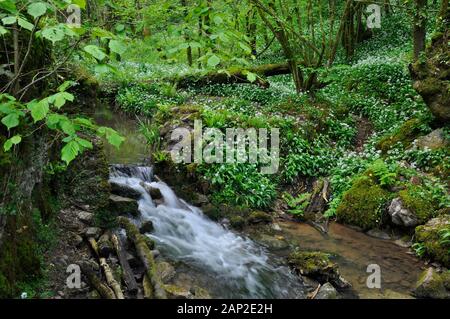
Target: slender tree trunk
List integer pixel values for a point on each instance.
(419, 27)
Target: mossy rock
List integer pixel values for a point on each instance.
(257, 217)
(419, 202)
(404, 135)
(316, 265)
(430, 235)
(363, 204)
(433, 285)
(237, 222)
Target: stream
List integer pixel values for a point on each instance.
(229, 264)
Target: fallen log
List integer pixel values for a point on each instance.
(96, 283)
(235, 76)
(112, 282)
(145, 255)
(104, 245)
(148, 290)
(128, 276)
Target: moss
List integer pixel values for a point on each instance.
(362, 205)
(433, 285)
(430, 235)
(257, 216)
(404, 135)
(314, 264)
(419, 201)
(237, 222)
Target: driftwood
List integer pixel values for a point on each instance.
(148, 289)
(104, 245)
(128, 276)
(235, 76)
(95, 282)
(145, 255)
(112, 282)
(317, 205)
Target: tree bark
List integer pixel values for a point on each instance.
(128, 276)
(419, 28)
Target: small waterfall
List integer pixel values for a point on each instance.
(240, 267)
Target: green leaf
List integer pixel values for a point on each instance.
(70, 151)
(16, 139)
(3, 30)
(38, 110)
(84, 143)
(251, 77)
(37, 9)
(53, 120)
(80, 3)
(111, 135)
(65, 85)
(11, 120)
(53, 34)
(213, 61)
(95, 51)
(67, 126)
(25, 24)
(8, 5)
(117, 46)
(9, 20)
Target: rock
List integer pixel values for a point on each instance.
(276, 227)
(165, 271)
(433, 141)
(93, 232)
(122, 205)
(318, 266)
(156, 253)
(124, 190)
(237, 222)
(430, 236)
(154, 192)
(402, 243)
(146, 227)
(75, 240)
(200, 293)
(377, 233)
(433, 285)
(273, 242)
(400, 215)
(200, 199)
(257, 217)
(132, 260)
(85, 217)
(327, 291)
(177, 292)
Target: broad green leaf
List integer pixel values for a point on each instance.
(95, 51)
(80, 3)
(65, 85)
(84, 122)
(117, 46)
(70, 151)
(251, 77)
(67, 127)
(213, 60)
(37, 9)
(112, 136)
(54, 34)
(25, 24)
(8, 5)
(11, 120)
(39, 110)
(245, 47)
(16, 139)
(102, 68)
(9, 20)
(84, 143)
(53, 120)
(3, 30)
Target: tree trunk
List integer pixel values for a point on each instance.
(419, 28)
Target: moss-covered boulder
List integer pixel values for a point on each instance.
(432, 284)
(316, 265)
(432, 237)
(405, 135)
(418, 200)
(363, 204)
(257, 217)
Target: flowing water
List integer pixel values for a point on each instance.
(240, 267)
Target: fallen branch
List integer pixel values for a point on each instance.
(128, 276)
(112, 282)
(145, 255)
(95, 282)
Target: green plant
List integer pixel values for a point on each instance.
(419, 249)
(385, 174)
(297, 205)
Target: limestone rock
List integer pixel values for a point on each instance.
(433, 141)
(124, 190)
(433, 285)
(122, 205)
(400, 215)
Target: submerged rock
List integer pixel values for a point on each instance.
(431, 284)
(122, 205)
(380, 234)
(327, 291)
(400, 215)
